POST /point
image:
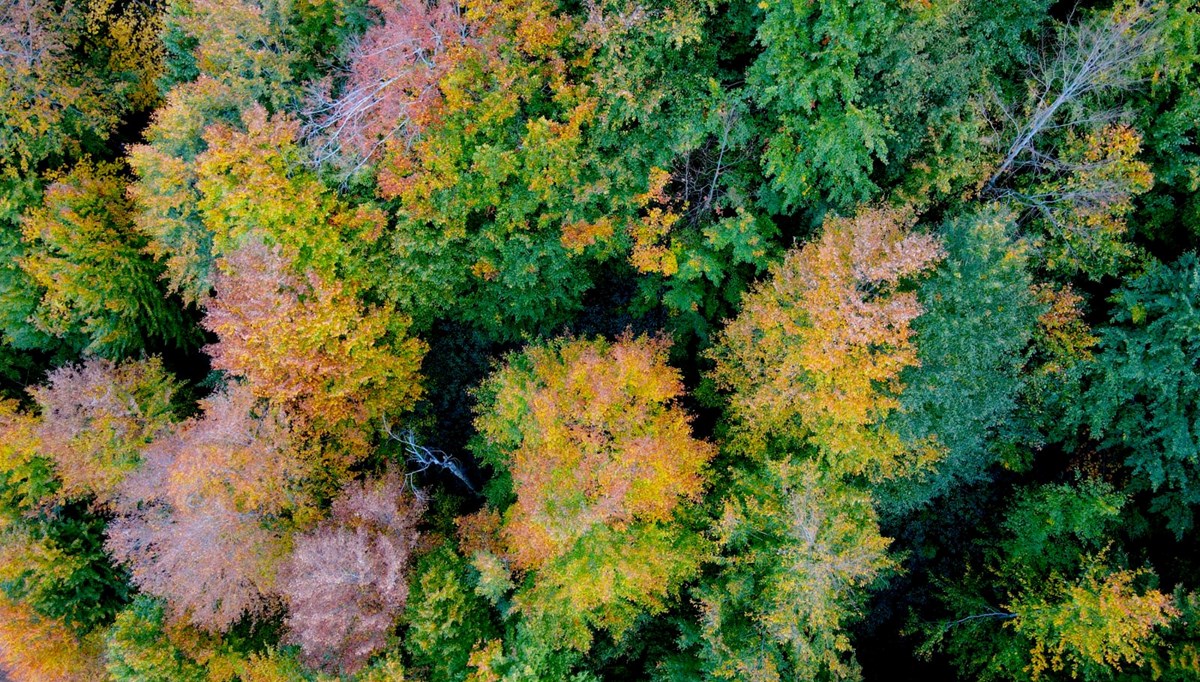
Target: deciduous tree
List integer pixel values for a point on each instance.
(347, 580)
(817, 352)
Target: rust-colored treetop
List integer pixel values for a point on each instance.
(592, 434)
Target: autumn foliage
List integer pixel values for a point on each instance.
(540, 340)
(818, 348)
(347, 580)
(96, 418)
(591, 434)
(392, 89)
(305, 343)
(191, 527)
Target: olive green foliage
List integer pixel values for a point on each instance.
(139, 650)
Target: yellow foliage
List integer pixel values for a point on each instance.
(34, 648)
(1101, 620)
(818, 348)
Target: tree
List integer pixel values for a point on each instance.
(306, 343)
(224, 58)
(446, 618)
(1140, 398)
(35, 648)
(799, 547)
(1082, 208)
(96, 418)
(139, 650)
(1102, 621)
(391, 89)
(97, 285)
(1054, 594)
(808, 75)
(213, 564)
(599, 458)
(1089, 57)
(53, 106)
(590, 434)
(346, 582)
(972, 341)
(191, 527)
(817, 352)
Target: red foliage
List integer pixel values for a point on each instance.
(97, 416)
(346, 582)
(391, 90)
(191, 527)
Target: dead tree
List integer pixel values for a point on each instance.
(424, 458)
(1088, 58)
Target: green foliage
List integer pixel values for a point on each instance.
(99, 290)
(799, 549)
(446, 618)
(971, 341)
(139, 650)
(1055, 594)
(1142, 399)
(809, 75)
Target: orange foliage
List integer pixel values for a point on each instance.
(1061, 331)
(307, 344)
(35, 648)
(818, 348)
(592, 435)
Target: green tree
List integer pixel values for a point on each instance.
(99, 291)
(972, 340)
(1054, 594)
(1141, 396)
(800, 547)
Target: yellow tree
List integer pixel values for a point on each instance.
(600, 458)
(817, 351)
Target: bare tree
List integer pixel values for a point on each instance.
(390, 89)
(425, 458)
(1089, 57)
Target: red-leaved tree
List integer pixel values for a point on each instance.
(391, 89)
(191, 524)
(346, 582)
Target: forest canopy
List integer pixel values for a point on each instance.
(548, 340)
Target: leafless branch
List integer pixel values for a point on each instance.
(1088, 58)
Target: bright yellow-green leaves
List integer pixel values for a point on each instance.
(801, 549)
(1103, 620)
(600, 458)
(99, 289)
